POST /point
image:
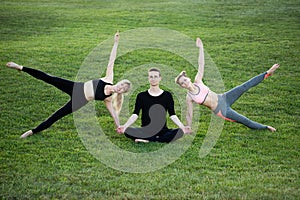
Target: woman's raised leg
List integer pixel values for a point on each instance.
(235, 93)
(60, 83)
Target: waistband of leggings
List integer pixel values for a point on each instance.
(219, 104)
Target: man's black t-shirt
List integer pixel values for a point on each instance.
(154, 108)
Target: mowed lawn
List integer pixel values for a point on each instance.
(243, 38)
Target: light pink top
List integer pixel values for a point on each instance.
(201, 95)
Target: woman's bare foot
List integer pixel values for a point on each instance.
(272, 129)
(141, 140)
(272, 69)
(26, 134)
(14, 66)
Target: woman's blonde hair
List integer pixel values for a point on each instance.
(118, 98)
(183, 73)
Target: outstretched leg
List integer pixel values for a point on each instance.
(235, 93)
(77, 101)
(62, 84)
(68, 108)
(236, 117)
(63, 111)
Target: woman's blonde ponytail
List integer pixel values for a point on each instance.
(117, 101)
(118, 98)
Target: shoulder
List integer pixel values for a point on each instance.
(167, 97)
(106, 81)
(142, 94)
(167, 93)
(198, 82)
(108, 99)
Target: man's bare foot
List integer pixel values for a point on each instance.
(272, 69)
(14, 66)
(272, 129)
(141, 140)
(26, 134)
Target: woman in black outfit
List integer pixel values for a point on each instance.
(82, 92)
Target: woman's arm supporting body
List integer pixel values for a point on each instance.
(109, 106)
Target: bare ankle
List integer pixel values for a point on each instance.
(272, 129)
(26, 134)
(14, 66)
(273, 69)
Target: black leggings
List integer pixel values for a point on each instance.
(167, 136)
(74, 89)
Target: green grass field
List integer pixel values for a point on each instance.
(243, 39)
